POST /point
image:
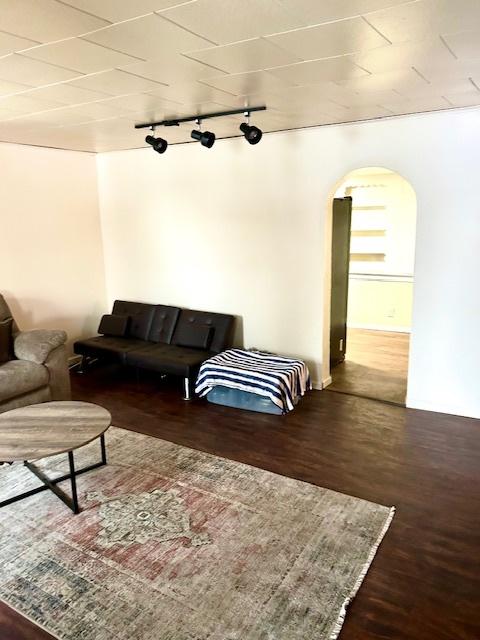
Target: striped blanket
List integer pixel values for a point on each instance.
(278, 378)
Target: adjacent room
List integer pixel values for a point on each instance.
(373, 258)
(239, 381)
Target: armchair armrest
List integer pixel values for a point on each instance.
(37, 345)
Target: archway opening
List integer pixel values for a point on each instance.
(373, 226)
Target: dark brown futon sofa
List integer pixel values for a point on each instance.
(160, 338)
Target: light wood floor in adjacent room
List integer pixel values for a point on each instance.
(376, 366)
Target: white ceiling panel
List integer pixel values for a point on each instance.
(415, 21)
(318, 11)
(191, 93)
(149, 38)
(141, 103)
(465, 45)
(115, 83)
(118, 10)
(248, 83)
(355, 99)
(225, 21)
(414, 105)
(24, 103)
(80, 55)
(405, 56)
(334, 69)
(172, 69)
(364, 113)
(464, 99)
(10, 43)
(333, 39)
(439, 87)
(249, 55)
(6, 114)
(66, 93)
(7, 88)
(448, 73)
(17, 68)
(45, 20)
(156, 114)
(66, 116)
(77, 74)
(404, 80)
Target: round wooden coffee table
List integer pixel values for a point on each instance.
(47, 429)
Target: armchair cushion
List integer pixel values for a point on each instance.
(37, 345)
(6, 341)
(19, 377)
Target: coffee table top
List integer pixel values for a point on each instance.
(42, 430)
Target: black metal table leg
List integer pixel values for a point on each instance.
(103, 449)
(73, 482)
(71, 502)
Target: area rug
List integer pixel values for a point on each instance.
(177, 544)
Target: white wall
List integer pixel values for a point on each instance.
(381, 305)
(245, 230)
(51, 256)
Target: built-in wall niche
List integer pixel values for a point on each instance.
(368, 235)
(368, 242)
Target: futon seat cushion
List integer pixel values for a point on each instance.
(111, 347)
(18, 377)
(168, 358)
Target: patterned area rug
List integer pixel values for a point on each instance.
(176, 544)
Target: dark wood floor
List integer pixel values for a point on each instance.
(424, 583)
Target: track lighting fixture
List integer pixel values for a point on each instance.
(159, 144)
(252, 134)
(207, 138)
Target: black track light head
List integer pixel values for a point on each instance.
(159, 144)
(207, 138)
(252, 134)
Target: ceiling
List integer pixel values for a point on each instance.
(79, 74)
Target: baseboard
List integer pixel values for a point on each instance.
(381, 327)
(439, 408)
(321, 384)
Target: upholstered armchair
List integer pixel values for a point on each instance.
(37, 370)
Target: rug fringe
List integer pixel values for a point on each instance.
(343, 611)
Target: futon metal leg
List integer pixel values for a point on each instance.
(186, 382)
(83, 365)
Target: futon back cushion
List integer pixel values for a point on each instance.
(141, 316)
(163, 323)
(6, 340)
(114, 325)
(193, 335)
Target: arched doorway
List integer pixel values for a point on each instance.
(373, 225)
